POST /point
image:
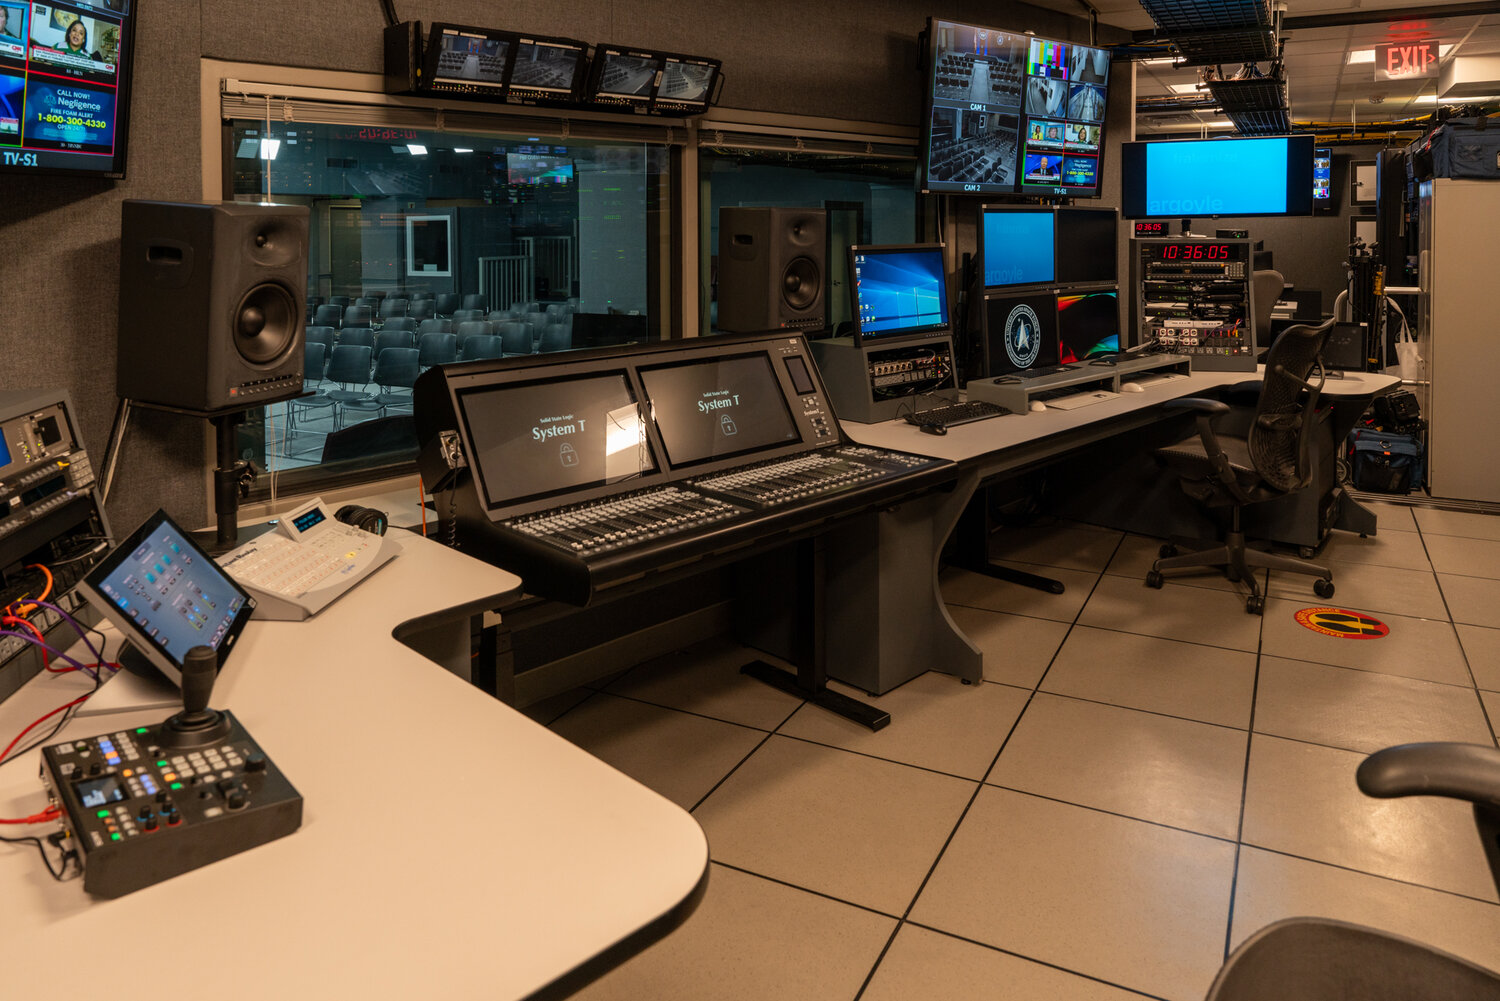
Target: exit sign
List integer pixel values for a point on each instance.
(1407, 60)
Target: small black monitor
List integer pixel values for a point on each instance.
(1087, 245)
(546, 69)
(536, 439)
(166, 596)
(477, 58)
(1088, 325)
(1020, 333)
(686, 86)
(718, 408)
(624, 76)
(899, 292)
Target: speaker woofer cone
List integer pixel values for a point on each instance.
(801, 283)
(265, 324)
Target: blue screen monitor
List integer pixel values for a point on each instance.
(1088, 324)
(1218, 177)
(1017, 246)
(899, 291)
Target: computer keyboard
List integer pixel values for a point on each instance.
(956, 413)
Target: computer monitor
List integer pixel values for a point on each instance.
(166, 596)
(546, 70)
(1240, 176)
(1088, 324)
(900, 292)
(1323, 200)
(1087, 245)
(1020, 333)
(531, 440)
(471, 57)
(718, 408)
(1017, 245)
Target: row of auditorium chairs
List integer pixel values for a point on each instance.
(438, 348)
(362, 315)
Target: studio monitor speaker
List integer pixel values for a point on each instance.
(772, 271)
(211, 303)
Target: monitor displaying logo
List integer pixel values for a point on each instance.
(1023, 340)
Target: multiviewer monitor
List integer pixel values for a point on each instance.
(476, 57)
(533, 440)
(1189, 178)
(718, 407)
(1009, 111)
(648, 80)
(899, 292)
(166, 596)
(1088, 324)
(1017, 245)
(1322, 177)
(1020, 333)
(65, 73)
(1087, 245)
(546, 69)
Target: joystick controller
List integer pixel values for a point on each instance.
(147, 803)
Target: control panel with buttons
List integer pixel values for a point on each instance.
(139, 808)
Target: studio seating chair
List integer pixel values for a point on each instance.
(392, 307)
(341, 301)
(367, 300)
(476, 300)
(556, 337)
(419, 309)
(358, 316)
(1313, 959)
(499, 316)
(446, 303)
(516, 338)
(400, 323)
(420, 294)
(350, 367)
(473, 328)
(482, 346)
(435, 326)
(1273, 459)
(329, 315)
(358, 336)
(320, 335)
(467, 315)
(301, 408)
(437, 349)
(396, 368)
(387, 339)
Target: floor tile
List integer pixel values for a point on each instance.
(1469, 557)
(753, 939)
(937, 722)
(1301, 799)
(856, 828)
(1482, 648)
(1016, 648)
(1362, 710)
(679, 755)
(1426, 649)
(1404, 550)
(1208, 684)
(1381, 590)
(1392, 517)
(1271, 887)
(1060, 544)
(706, 679)
(1491, 702)
(960, 587)
(934, 967)
(1469, 524)
(1471, 599)
(1157, 768)
(1130, 903)
(1176, 611)
(1138, 552)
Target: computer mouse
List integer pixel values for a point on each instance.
(1037, 407)
(934, 428)
(1132, 387)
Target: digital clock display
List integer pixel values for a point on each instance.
(1150, 229)
(1186, 251)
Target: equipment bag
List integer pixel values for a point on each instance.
(1383, 462)
(1465, 147)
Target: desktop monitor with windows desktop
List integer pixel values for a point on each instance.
(1187, 178)
(1017, 245)
(1088, 324)
(1020, 333)
(900, 293)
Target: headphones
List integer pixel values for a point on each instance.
(367, 518)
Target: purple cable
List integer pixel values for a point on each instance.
(78, 627)
(79, 665)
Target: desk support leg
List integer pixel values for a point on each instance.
(973, 553)
(811, 680)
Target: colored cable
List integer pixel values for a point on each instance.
(51, 813)
(38, 721)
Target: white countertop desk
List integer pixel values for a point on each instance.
(450, 847)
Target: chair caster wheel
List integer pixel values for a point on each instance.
(1255, 604)
(1167, 551)
(1323, 587)
(1306, 552)
(1154, 579)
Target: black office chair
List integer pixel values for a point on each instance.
(1314, 959)
(1273, 459)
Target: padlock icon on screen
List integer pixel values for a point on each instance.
(726, 424)
(567, 455)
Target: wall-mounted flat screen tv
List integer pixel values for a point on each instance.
(1239, 176)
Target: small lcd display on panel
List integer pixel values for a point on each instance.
(718, 408)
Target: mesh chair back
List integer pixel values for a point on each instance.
(476, 300)
(400, 323)
(482, 346)
(435, 326)
(330, 315)
(473, 328)
(314, 353)
(397, 367)
(357, 336)
(320, 335)
(388, 339)
(516, 338)
(437, 349)
(556, 337)
(350, 364)
(1279, 436)
(1268, 286)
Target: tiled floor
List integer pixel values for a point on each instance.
(1143, 779)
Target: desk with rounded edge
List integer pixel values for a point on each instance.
(450, 847)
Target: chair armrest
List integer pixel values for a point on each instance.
(1204, 411)
(1462, 771)
(1197, 404)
